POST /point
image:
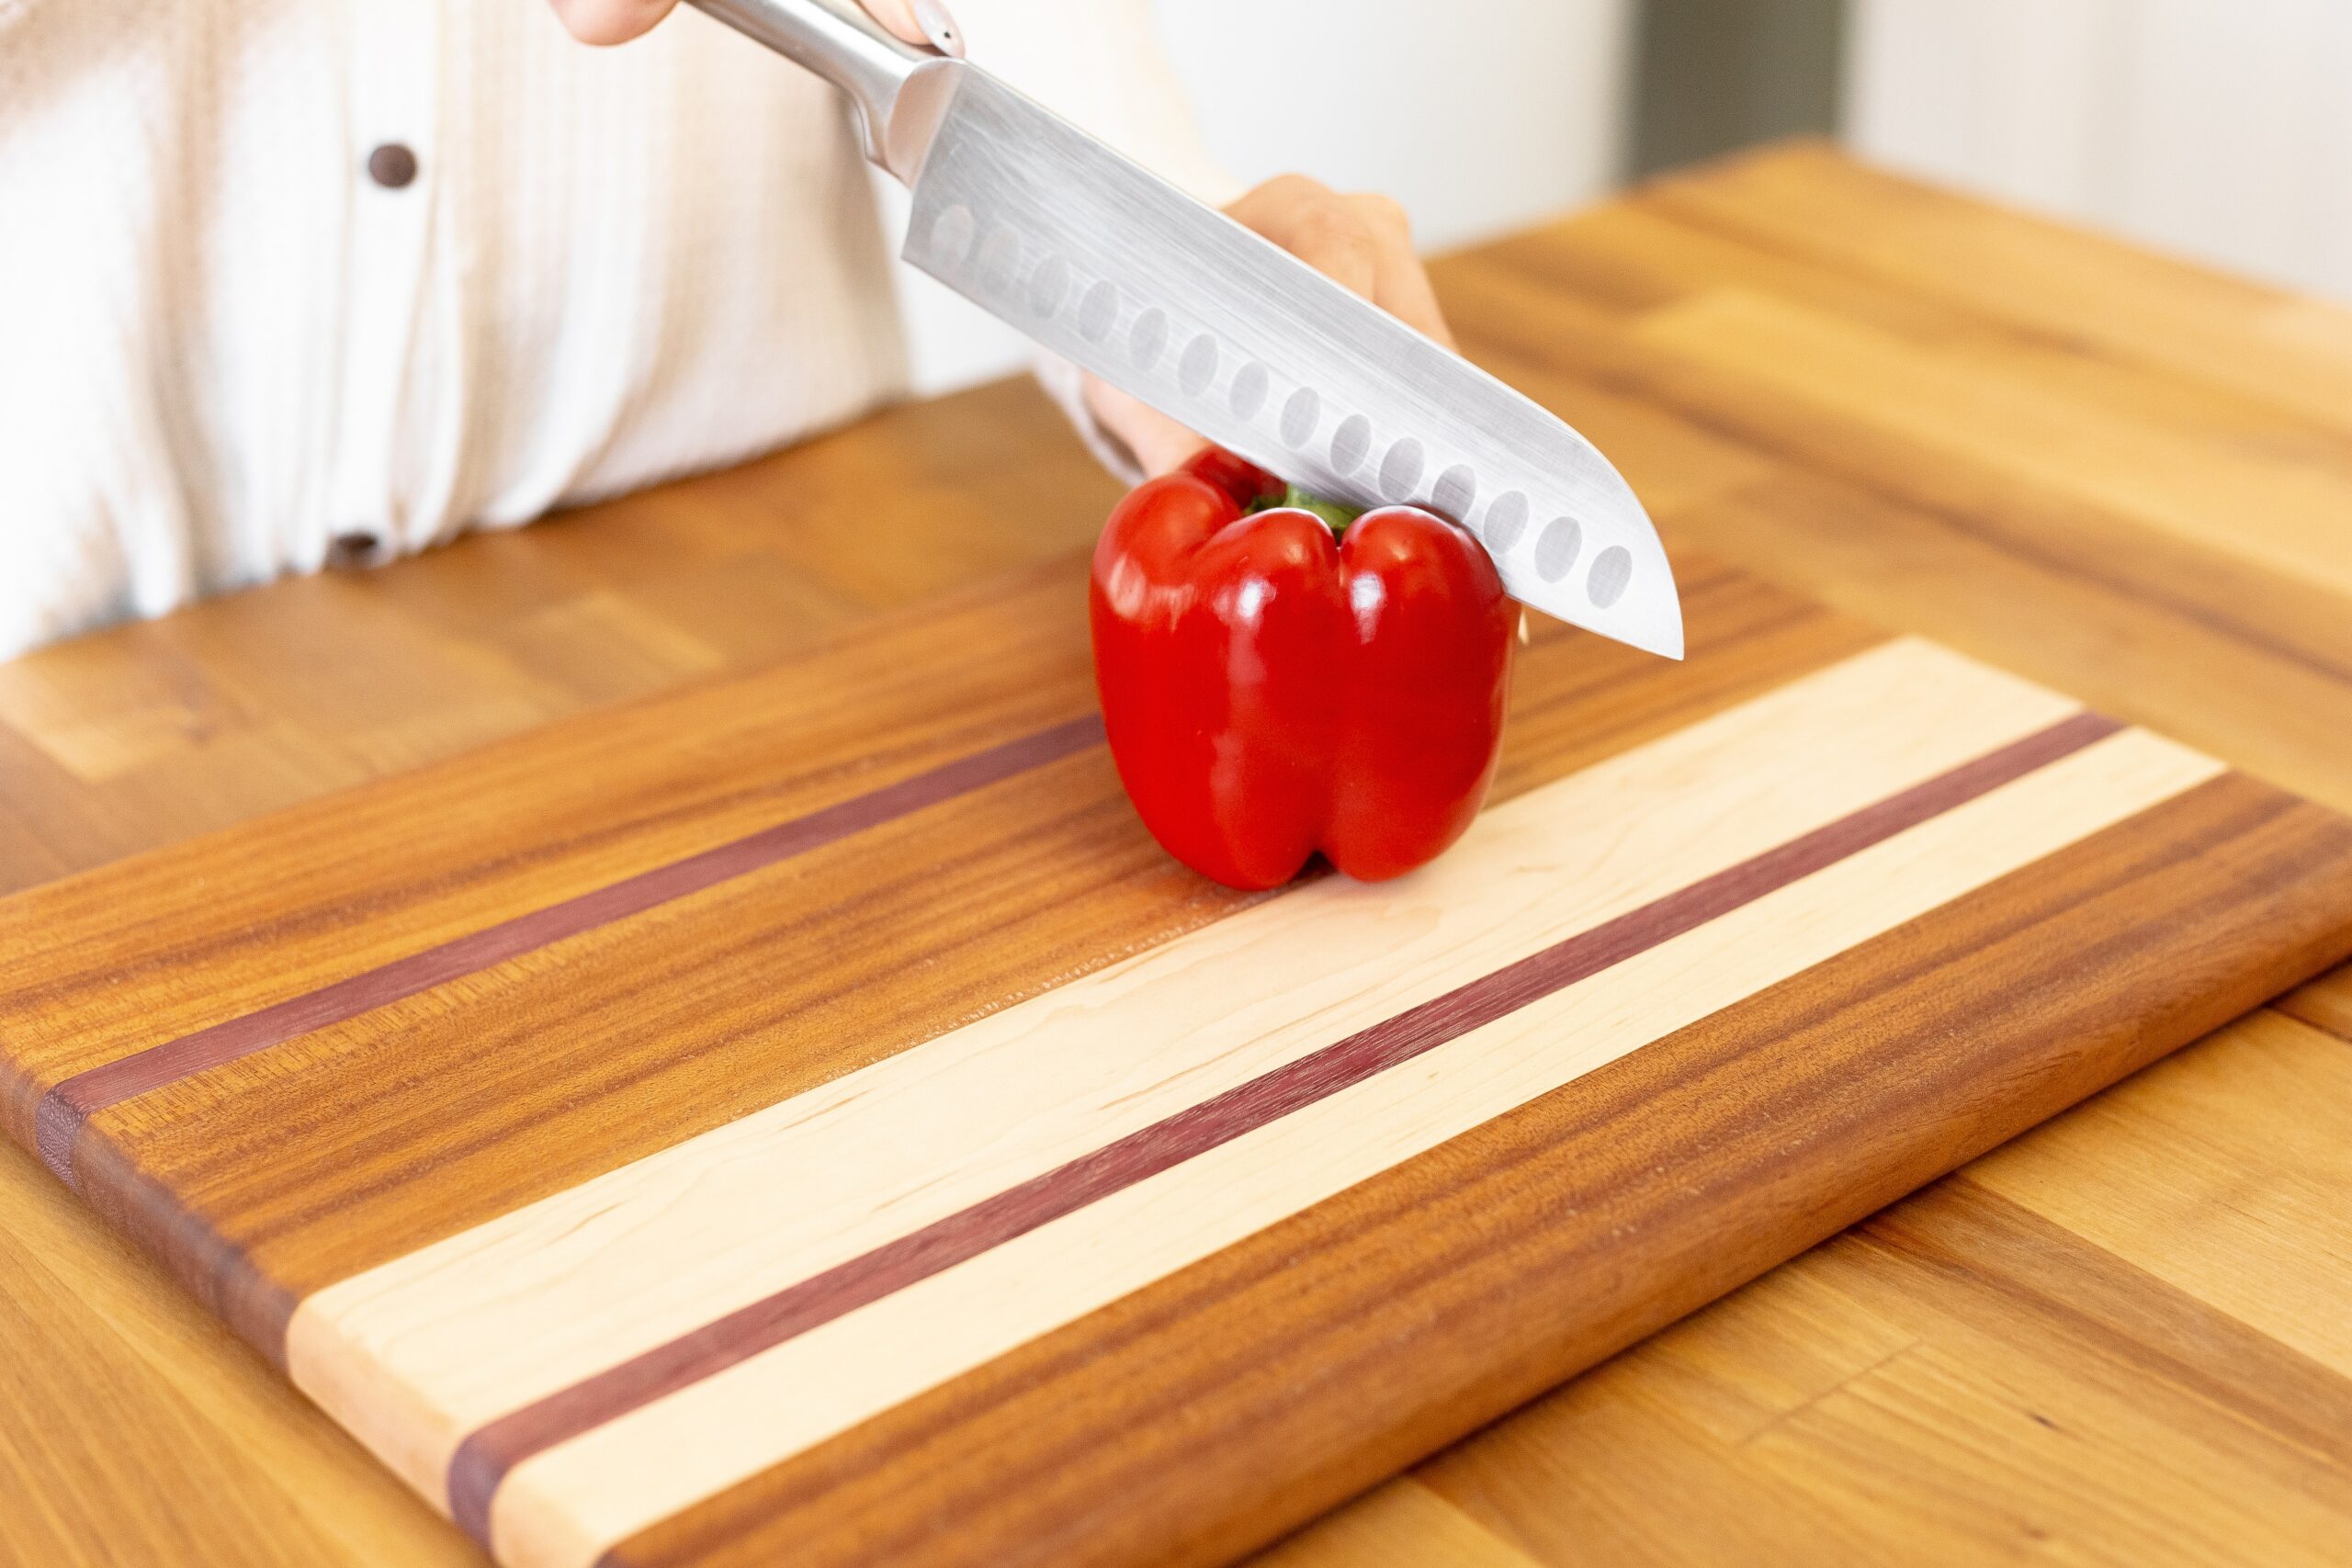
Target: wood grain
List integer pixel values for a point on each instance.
(623, 600)
(980, 1469)
(1188, 1069)
(1887, 497)
(2195, 326)
(1765, 1407)
(1956, 1379)
(1400, 1525)
(133, 1377)
(2069, 1181)
(68, 1105)
(608, 799)
(366, 1159)
(1570, 857)
(2325, 1003)
(1357, 1116)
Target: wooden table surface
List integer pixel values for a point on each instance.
(2122, 1337)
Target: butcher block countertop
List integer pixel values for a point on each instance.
(2120, 1337)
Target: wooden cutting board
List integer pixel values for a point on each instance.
(805, 1118)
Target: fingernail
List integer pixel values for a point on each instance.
(939, 28)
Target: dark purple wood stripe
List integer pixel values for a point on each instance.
(484, 1459)
(61, 1113)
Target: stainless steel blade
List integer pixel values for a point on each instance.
(1104, 262)
(1116, 269)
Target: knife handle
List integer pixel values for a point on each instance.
(892, 83)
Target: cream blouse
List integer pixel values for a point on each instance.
(288, 279)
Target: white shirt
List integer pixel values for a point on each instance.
(224, 347)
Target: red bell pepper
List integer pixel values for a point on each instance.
(1276, 680)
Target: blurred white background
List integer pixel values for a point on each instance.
(2215, 128)
(2219, 130)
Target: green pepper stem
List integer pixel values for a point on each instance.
(1335, 516)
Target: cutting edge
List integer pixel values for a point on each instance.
(1031, 264)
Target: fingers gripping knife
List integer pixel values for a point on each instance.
(1107, 265)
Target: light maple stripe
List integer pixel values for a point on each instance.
(419, 1352)
(563, 1507)
(483, 1460)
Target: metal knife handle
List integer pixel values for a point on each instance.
(839, 41)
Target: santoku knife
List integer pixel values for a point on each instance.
(1116, 269)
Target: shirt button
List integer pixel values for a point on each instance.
(354, 546)
(392, 165)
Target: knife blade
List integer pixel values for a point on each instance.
(1103, 262)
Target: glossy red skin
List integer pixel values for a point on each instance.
(1270, 692)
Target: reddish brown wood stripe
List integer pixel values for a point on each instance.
(484, 1459)
(1326, 1353)
(68, 1105)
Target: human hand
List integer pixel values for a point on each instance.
(1364, 242)
(617, 22)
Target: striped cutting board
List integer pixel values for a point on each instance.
(804, 1119)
